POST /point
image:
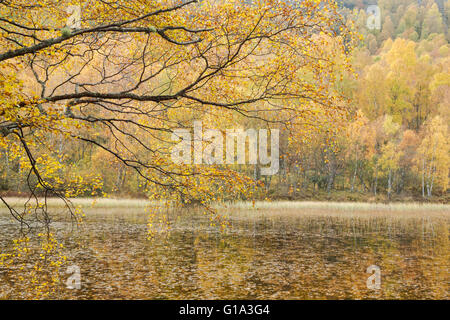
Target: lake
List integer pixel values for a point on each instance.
(265, 253)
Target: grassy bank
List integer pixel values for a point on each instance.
(85, 202)
(347, 206)
(347, 196)
(332, 205)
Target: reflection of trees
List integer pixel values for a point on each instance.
(298, 258)
(223, 266)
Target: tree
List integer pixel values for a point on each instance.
(390, 155)
(433, 156)
(407, 150)
(361, 140)
(440, 91)
(409, 21)
(125, 75)
(372, 91)
(387, 30)
(372, 44)
(432, 22)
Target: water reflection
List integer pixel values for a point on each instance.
(260, 256)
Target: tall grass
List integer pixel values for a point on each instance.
(85, 202)
(108, 203)
(347, 206)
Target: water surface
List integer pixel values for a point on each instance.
(263, 254)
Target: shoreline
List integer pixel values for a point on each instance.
(244, 205)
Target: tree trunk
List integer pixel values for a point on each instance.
(354, 174)
(430, 185)
(257, 172)
(389, 184)
(423, 178)
(432, 172)
(331, 173)
(295, 176)
(6, 182)
(375, 186)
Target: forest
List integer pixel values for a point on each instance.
(384, 138)
(118, 170)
